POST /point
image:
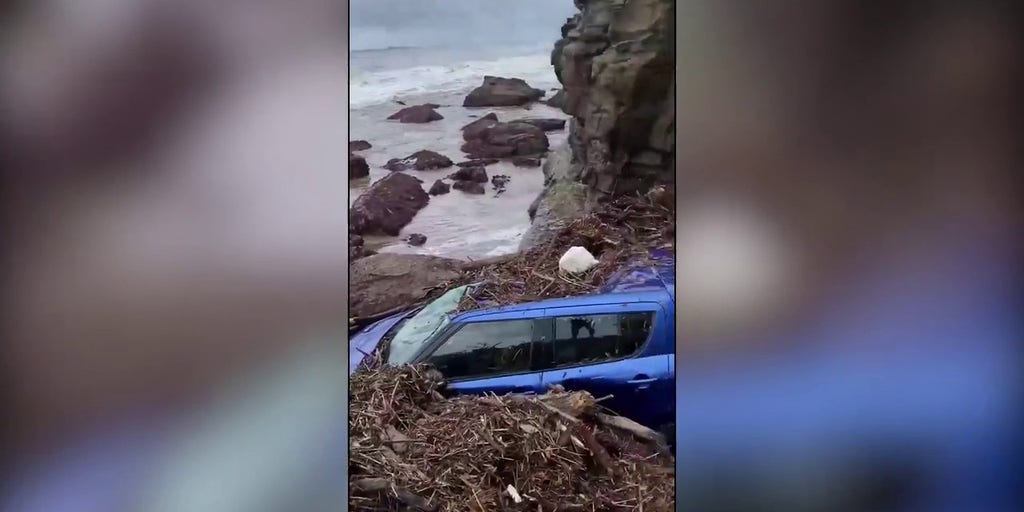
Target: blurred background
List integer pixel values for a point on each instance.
(849, 227)
(174, 253)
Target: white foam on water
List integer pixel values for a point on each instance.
(370, 88)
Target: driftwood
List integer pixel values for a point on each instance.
(601, 457)
(412, 449)
(381, 485)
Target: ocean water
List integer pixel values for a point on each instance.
(456, 224)
(381, 75)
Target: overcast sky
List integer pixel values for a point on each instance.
(383, 23)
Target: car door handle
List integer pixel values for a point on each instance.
(643, 380)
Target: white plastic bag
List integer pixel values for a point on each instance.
(577, 259)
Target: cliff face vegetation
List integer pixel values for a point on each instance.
(616, 60)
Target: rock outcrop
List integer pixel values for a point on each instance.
(387, 206)
(421, 161)
(616, 61)
(503, 140)
(357, 167)
(385, 282)
(502, 92)
(417, 114)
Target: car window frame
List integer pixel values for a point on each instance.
(549, 359)
(454, 328)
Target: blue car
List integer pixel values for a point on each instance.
(619, 341)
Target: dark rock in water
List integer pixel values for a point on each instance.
(557, 101)
(358, 145)
(479, 149)
(432, 105)
(400, 102)
(502, 92)
(416, 239)
(420, 161)
(526, 161)
(475, 129)
(477, 174)
(357, 167)
(544, 124)
(478, 162)
(387, 206)
(385, 282)
(417, 114)
(439, 187)
(499, 180)
(355, 247)
(469, 187)
(507, 139)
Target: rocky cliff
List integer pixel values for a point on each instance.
(616, 60)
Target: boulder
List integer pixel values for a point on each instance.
(387, 282)
(502, 92)
(417, 114)
(507, 139)
(526, 161)
(355, 247)
(469, 187)
(439, 187)
(420, 161)
(474, 129)
(557, 101)
(357, 167)
(478, 162)
(358, 145)
(387, 206)
(476, 174)
(416, 239)
(546, 124)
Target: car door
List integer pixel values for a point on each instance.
(489, 354)
(611, 350)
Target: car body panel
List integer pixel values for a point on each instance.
(365, 341)
(642, 385)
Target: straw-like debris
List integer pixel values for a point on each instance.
(413, 449)
(621, 231)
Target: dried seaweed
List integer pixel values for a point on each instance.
(618, 232)
(413, 449)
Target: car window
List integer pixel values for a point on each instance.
(486, 348)
(595, 338)
(416, 331)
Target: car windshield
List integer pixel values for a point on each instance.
(418, 329)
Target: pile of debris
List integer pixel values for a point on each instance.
(623, 230)
(413, 449)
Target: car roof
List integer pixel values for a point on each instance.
(648, 281)
(656, 273)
